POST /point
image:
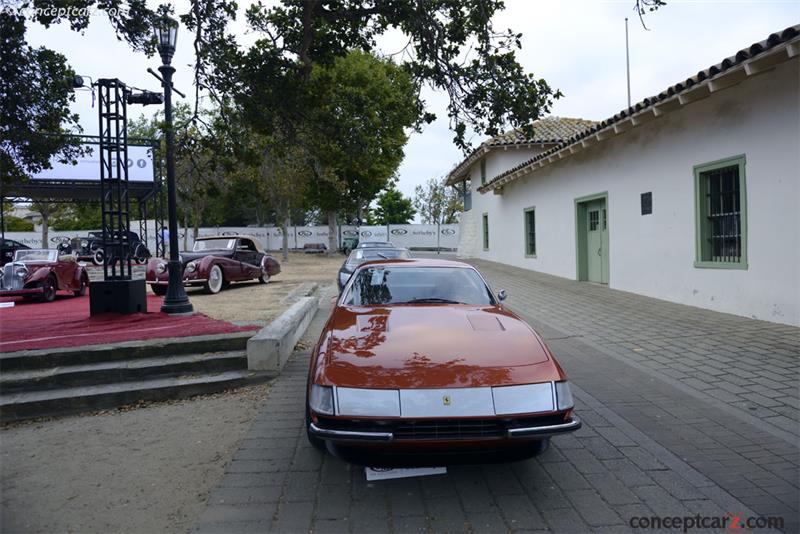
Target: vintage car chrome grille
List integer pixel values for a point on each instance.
(441, 429)
(9, 281)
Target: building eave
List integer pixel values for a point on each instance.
(757, 59)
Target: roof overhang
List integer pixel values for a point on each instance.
(652, 109)
(460, 172)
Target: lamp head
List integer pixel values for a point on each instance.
(166, 33)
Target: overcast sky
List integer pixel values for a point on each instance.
(577, 46)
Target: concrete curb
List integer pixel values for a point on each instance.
(271, 347)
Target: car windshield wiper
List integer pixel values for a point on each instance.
(382, 256)
(431, 300)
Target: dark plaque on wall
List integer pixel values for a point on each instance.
(647, 203)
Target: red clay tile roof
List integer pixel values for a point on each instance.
(711, 73)
(546, 131)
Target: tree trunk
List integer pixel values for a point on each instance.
(45, 228)
(287, 222)
(185, 231)
(333, 233)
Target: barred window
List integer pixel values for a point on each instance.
(485, 231)
(721, 217)
(530, 232)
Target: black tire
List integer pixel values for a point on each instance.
(84, 284)
(215, 280)
(97, 256)
(264, 278)
(49, 288)
(159, 290)
(315, 442)
(540, 446)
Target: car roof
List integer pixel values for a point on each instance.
(256, 242)
(417, 262)
(377, 249)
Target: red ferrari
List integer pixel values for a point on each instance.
(421, 364)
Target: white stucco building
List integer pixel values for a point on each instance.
(690, 196)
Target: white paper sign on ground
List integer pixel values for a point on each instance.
(386, 473)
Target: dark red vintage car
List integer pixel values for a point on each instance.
(421, 364)
(215, 262)
(39, 273)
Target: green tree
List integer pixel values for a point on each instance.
(393, 207)
(35, 92)
(437, 203)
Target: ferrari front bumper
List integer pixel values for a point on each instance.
(528, 432)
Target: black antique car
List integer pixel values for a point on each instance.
(7, 249)
(92, 247)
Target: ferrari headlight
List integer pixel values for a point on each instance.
(564, 396)
(161, 268)
(321, 399)
(191, 267)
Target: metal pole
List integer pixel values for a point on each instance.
(176, 300)
(627, 62)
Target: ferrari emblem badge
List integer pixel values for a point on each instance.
(446, 400)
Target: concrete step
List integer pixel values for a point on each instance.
(126, 350)
(70, 400)
(119, 371)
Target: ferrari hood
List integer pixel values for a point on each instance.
(432, 346)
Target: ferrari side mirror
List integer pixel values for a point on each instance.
(502, 295)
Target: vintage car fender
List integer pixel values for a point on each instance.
(205, 263)
(150, 270)
(271, 265)
(80, 273)
(39, 275)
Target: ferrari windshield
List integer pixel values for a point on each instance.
(379, 286)
(35, 255)
(222, 243)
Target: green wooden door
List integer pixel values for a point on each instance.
(597, 241)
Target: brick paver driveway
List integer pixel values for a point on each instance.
(659, 437)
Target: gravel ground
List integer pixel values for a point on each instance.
(131, 470)
(255, 303)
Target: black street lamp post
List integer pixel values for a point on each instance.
(176, 300)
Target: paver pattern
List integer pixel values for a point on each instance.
(750, 365)
(647, 446)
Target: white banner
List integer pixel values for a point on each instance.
(412, 236)
(140, 166)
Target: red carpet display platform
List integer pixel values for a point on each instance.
(65, 322)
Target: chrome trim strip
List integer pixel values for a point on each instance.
(543, 431)
(349, 434)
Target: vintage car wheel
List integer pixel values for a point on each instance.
(49, 289)
(81, 291)
(159, 290)
(97, 257)
(264, 278)
(215, 280)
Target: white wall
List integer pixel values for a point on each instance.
(654, 254)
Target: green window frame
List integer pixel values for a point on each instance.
(721, 214)
(483, 171)
(485, 231)
(529, 215)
